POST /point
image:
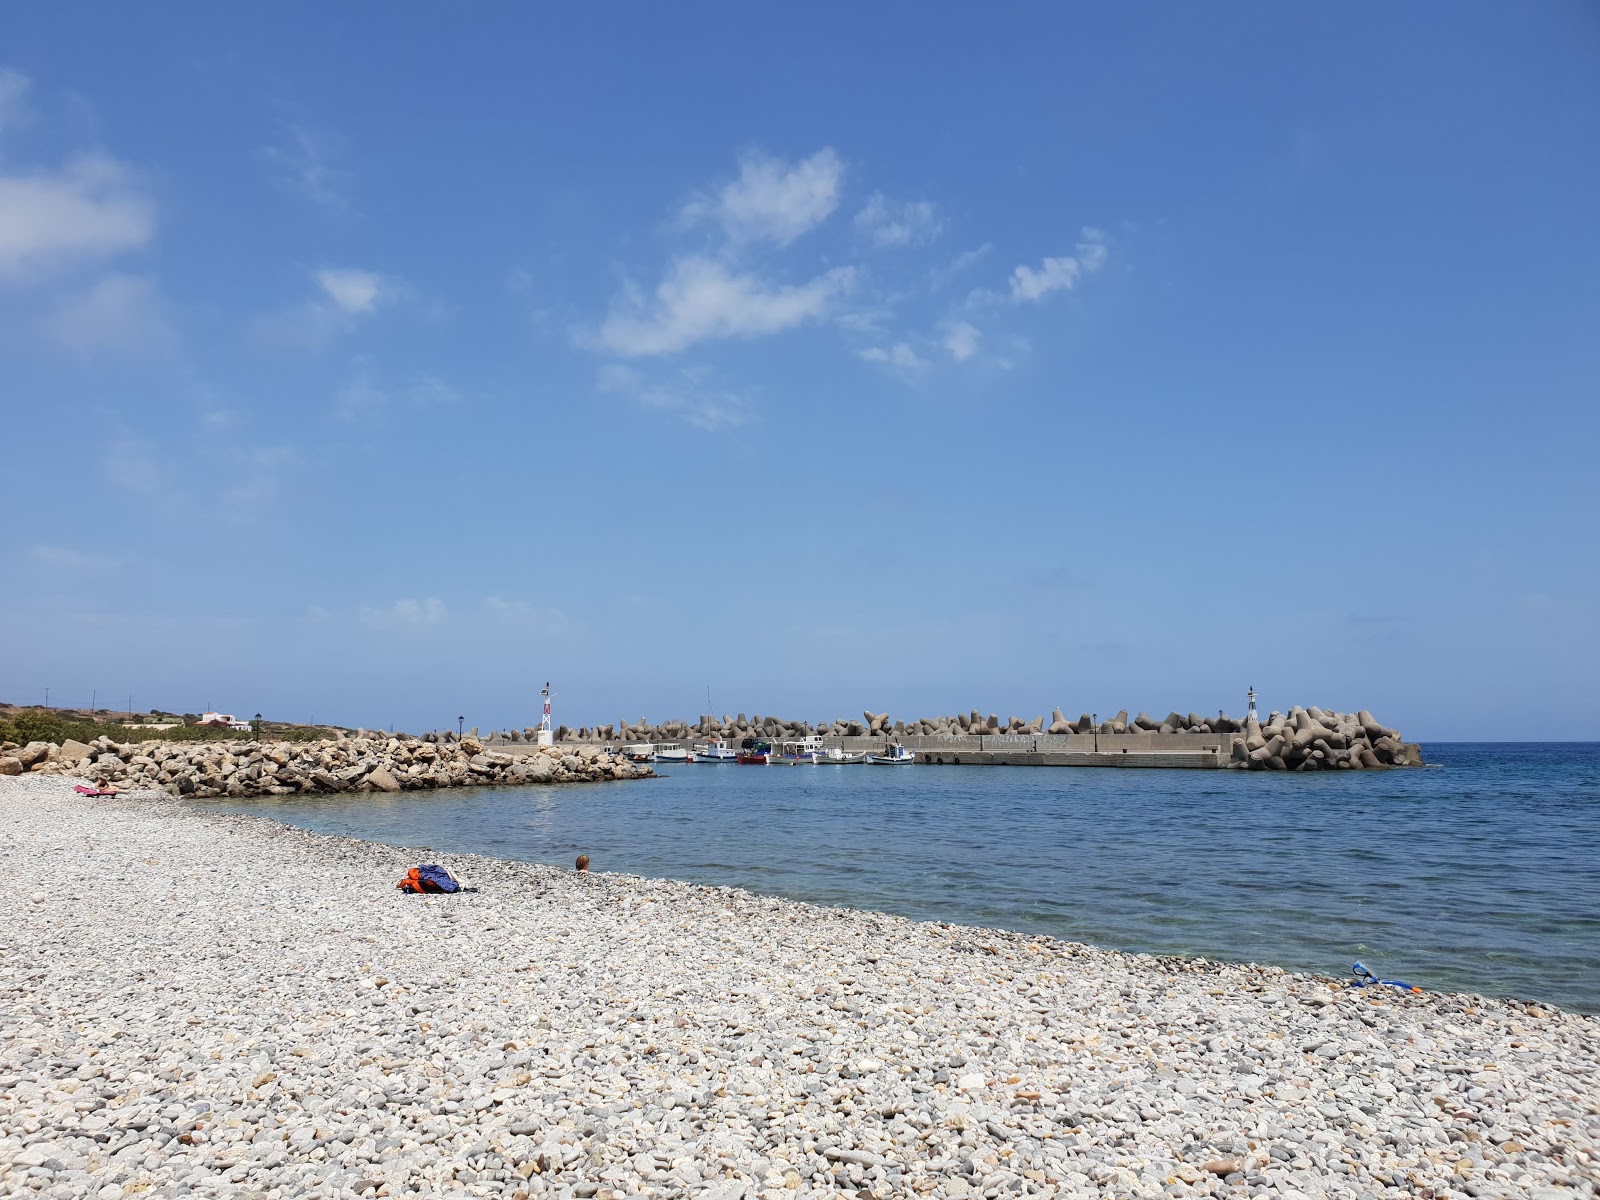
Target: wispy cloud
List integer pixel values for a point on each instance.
(354, 291)
(524, 616)
(913, 223)
(703, 299)
(344, 297)
(404, 614)
(1060, 273)
(942, 277)
(14, 110)
(961, 339)
(689, 395)
(88, 209)
(122, 313)
(306, 162)
(899, 357)
(771, 200)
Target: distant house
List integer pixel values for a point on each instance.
(223, 721)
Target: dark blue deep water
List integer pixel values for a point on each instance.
(1480, 873)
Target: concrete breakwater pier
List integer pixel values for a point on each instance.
(1303, 739)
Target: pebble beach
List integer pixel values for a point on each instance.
(196, 1003)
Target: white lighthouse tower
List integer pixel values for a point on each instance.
(547, 735)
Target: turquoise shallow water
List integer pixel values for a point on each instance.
(1479, 874)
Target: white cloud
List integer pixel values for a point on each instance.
(702, 299)
(13, 99)
(914, 223)
(404, 613)
(354, 291)
(119, 313)
(1053, 275)
(773, 201)
(1059, 273)
(900, 357)
(942, 277)
(1093, 251)
(88, 209)
(961, 338)
(306, 163)
(689, 395)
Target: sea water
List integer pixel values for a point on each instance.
(1479, 873)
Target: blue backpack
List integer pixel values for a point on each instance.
(429, 877)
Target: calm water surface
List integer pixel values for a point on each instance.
(1479, 874)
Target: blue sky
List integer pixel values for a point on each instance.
(371, 364)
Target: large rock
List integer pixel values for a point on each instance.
(10, 766)
(73, 751)
(382, 781)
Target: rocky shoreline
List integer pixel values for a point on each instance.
(195, 1003)
(363, 763)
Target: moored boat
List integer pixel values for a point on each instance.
(716, 752)
(839, 758)
(639, 752)
(671, 752)
(896, 756)
(754, 752)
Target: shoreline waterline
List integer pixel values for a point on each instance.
(258, 1008)
(1470, 876)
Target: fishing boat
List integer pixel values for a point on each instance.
(836, 757)
(896, 756)
(803, 750)
(716, 752)
(753, 752)
(671, 752)
(639, 752)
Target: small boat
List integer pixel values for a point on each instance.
(639, 752)
(753, 752)
(896, 756)
(716, 752)
(805, 750)
(838, 758)
(671, 752)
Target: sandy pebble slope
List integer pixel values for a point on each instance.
(195, 1003)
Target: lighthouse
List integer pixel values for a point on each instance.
(547, 736)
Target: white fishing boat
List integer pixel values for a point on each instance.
(639, 752)
(671, 752)
(833, 756)
(716, 752)
(895, 756)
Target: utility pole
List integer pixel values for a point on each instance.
(94, 696)
(47, 697)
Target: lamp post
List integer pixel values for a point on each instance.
(461, 723)
(258, 727)
(1094, 719)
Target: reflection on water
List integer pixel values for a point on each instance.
(1481, 874)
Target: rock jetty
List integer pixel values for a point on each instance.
(199, 1004)
(362, 763)
(1303, 739)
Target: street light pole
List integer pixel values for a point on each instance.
(461, 723)
(1094, 719)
